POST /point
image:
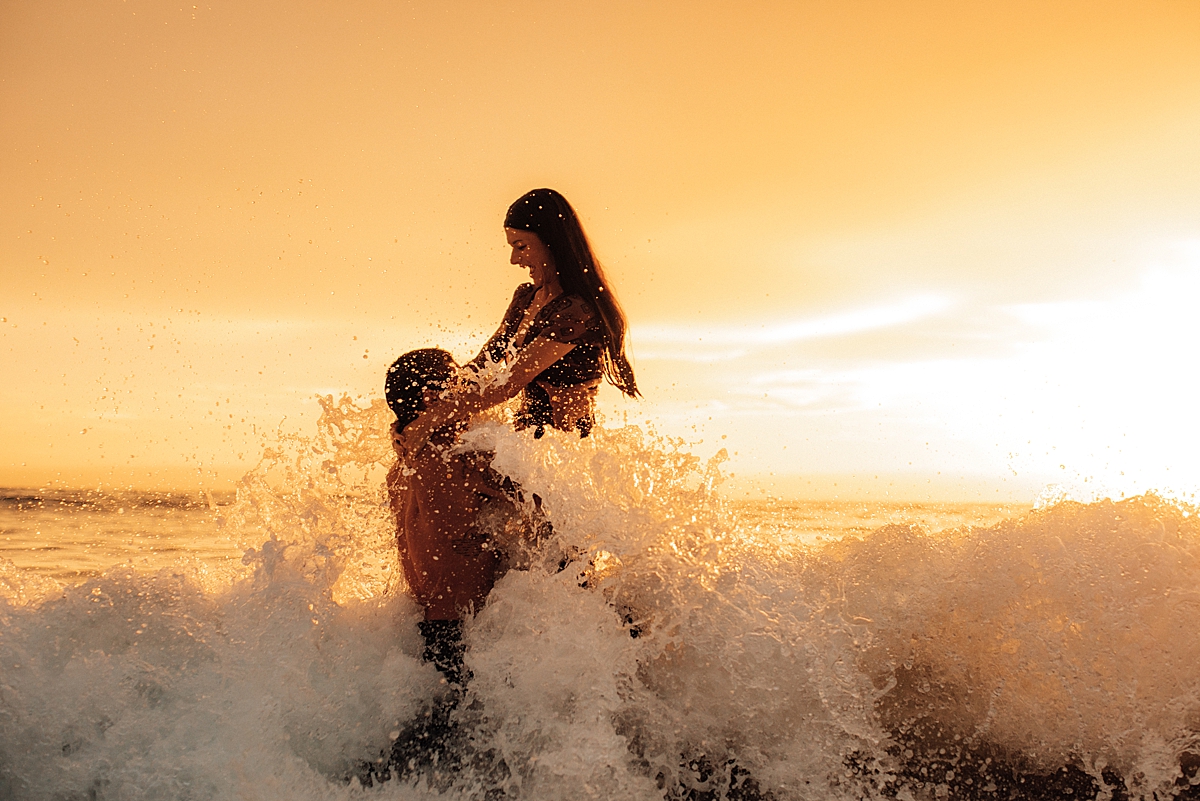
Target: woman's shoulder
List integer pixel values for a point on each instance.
(567, 318)
(571, 305)
(523, 294)
(521, 299)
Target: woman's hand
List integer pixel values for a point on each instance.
(436, 412)
(432, 415)
(408, 443)
(398, 441)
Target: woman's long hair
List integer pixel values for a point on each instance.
(549, 215)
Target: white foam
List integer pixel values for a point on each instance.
(1064, 637)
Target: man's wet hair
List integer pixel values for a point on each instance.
(410, 375)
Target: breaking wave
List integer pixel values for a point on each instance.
(685, 654)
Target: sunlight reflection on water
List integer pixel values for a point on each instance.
(72, 536)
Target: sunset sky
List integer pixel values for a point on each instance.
(921, 249)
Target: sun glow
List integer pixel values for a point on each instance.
(854, 321)
(946, 248)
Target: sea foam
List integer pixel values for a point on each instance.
(684, 653)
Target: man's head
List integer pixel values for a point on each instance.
(411, 375)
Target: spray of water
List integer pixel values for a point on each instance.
(682, 654)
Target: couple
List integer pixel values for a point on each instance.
(561, 335)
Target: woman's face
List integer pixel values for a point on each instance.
(530, 252)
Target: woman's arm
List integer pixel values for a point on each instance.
(530, 362)
(496, 343)
(493, 349)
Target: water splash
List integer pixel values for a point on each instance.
(683, 654)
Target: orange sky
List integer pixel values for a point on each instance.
(952, 245)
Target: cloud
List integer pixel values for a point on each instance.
(719, 343)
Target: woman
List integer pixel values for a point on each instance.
(561, 334)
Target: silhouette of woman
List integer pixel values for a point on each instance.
(563, 332)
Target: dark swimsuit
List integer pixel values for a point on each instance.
(567, 318)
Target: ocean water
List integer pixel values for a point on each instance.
(261, 646)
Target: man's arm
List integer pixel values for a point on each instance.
(398, 485)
